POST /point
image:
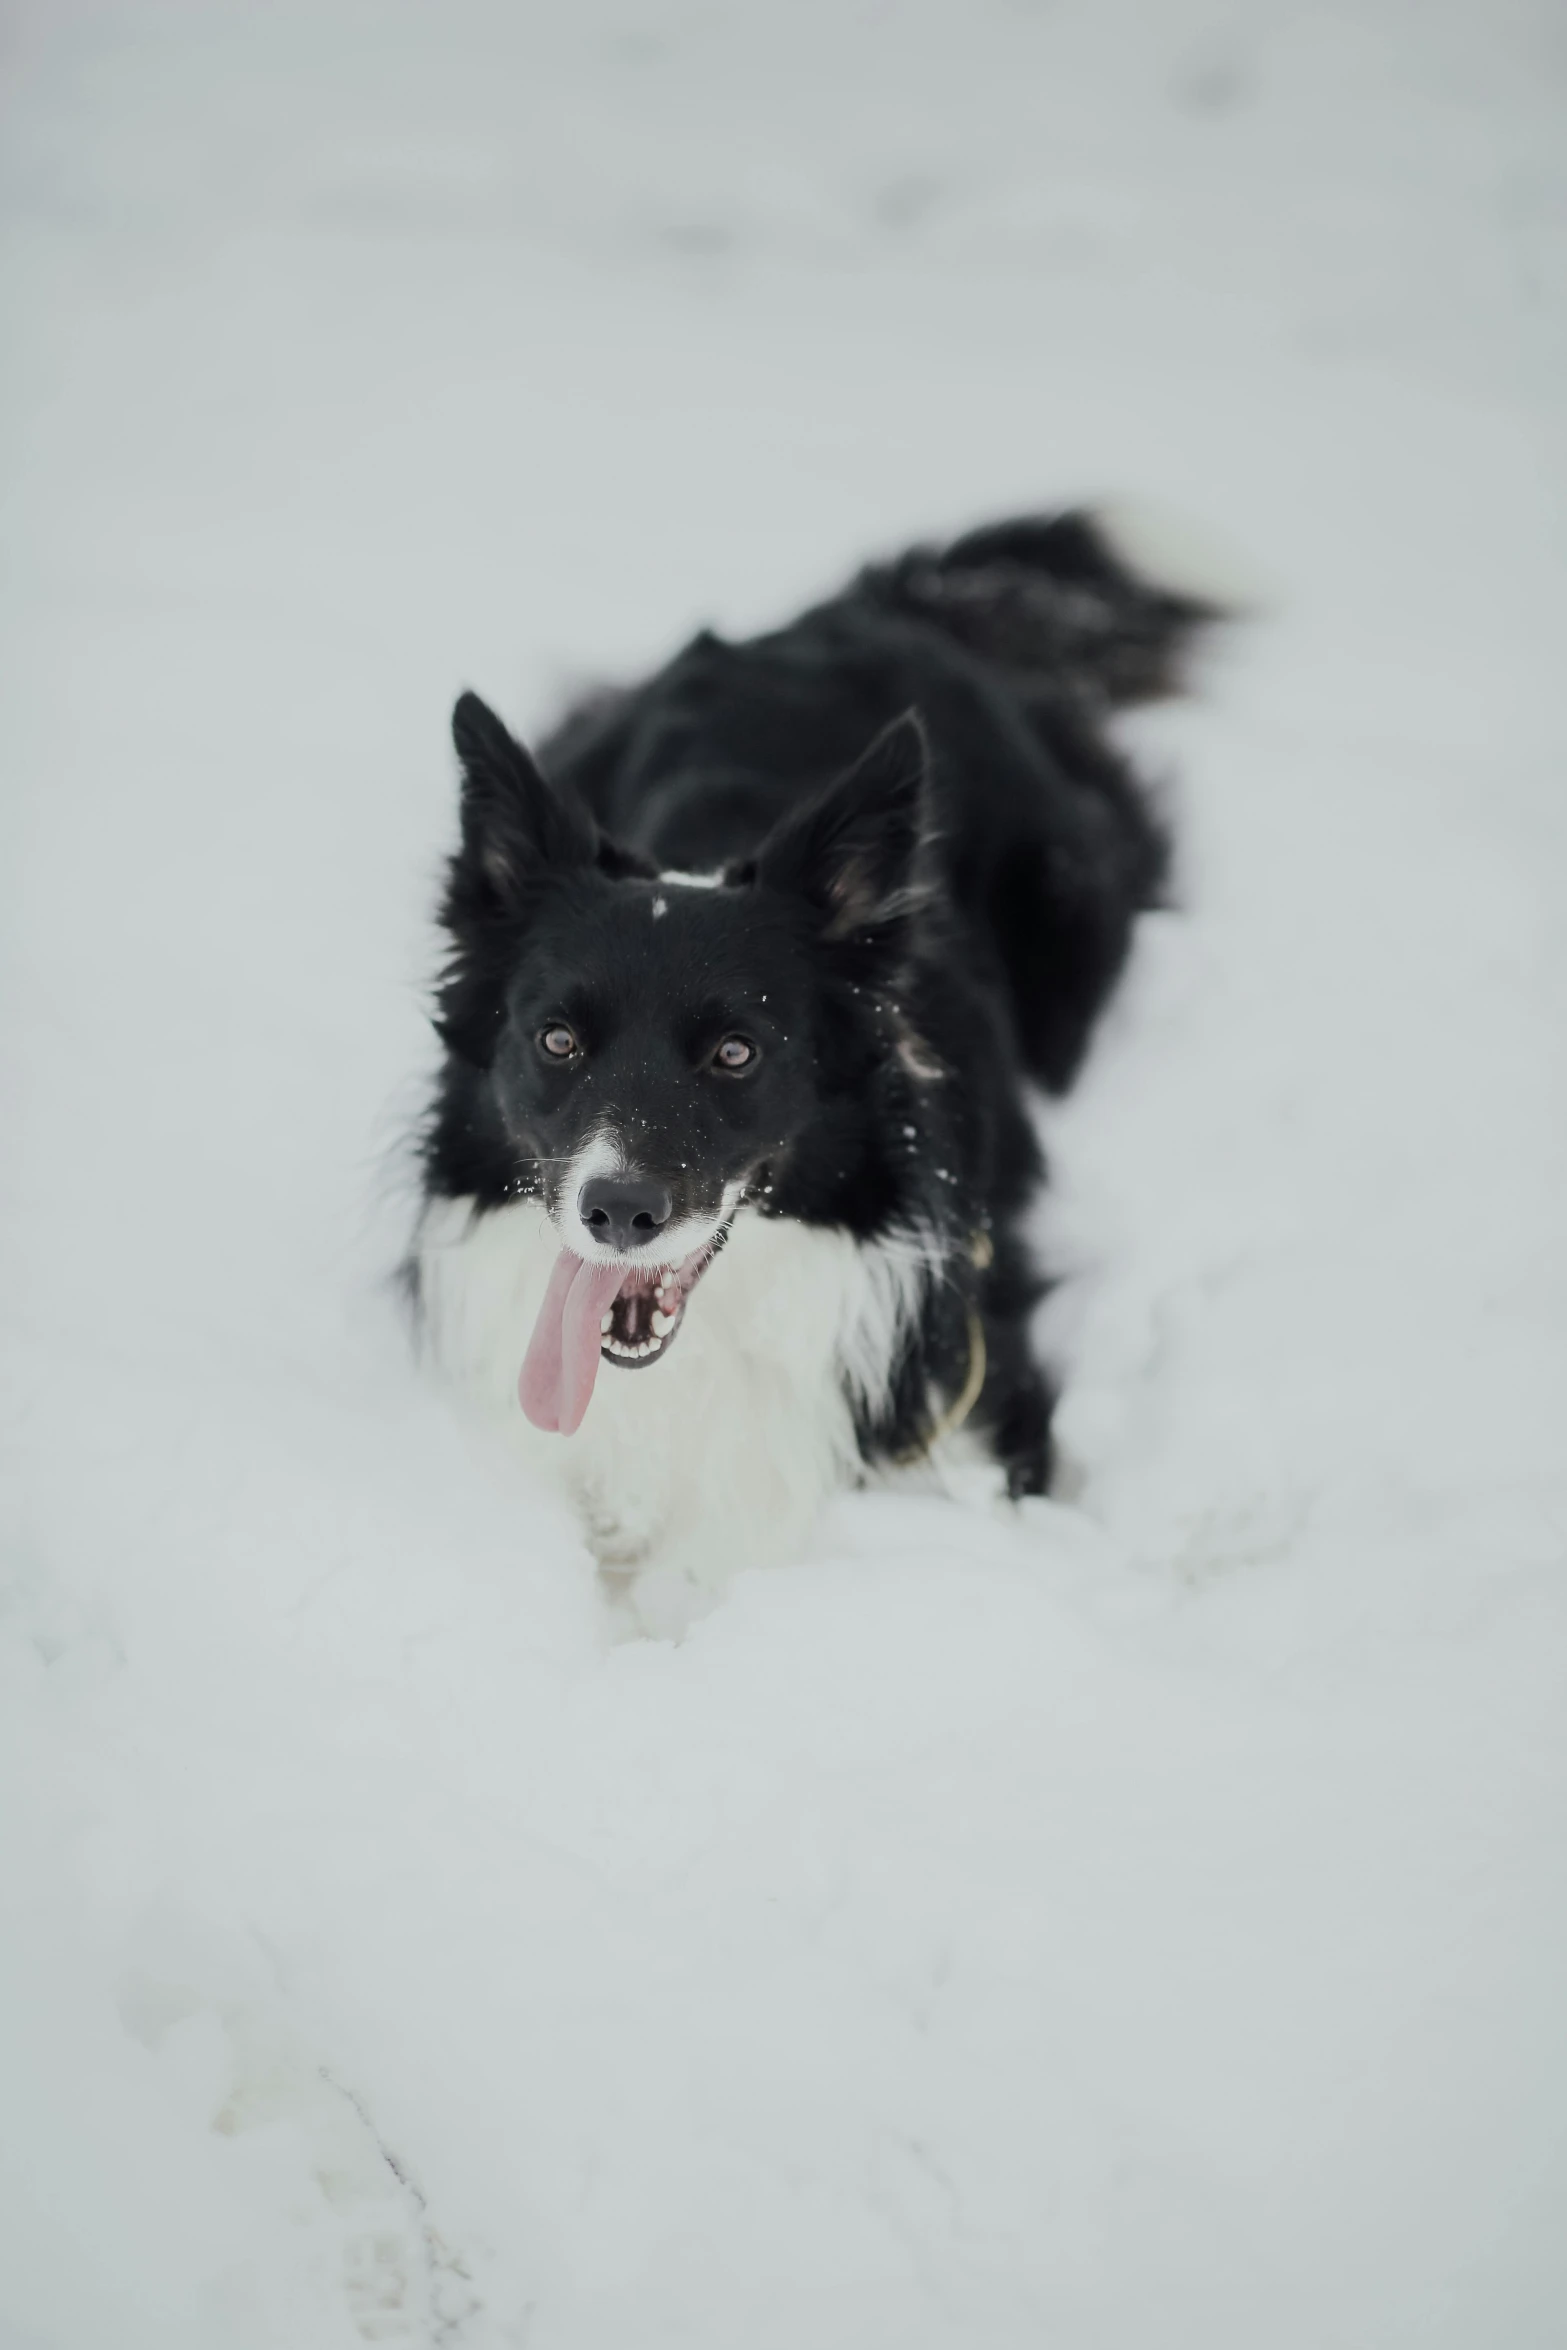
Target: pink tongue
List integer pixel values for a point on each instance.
(563, 1354)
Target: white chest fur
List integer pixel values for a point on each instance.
(719, 1456)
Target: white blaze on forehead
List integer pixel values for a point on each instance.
(693, 880)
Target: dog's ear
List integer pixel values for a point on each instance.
(513, 821)
(856, 850)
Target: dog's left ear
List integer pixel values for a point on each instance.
(855, 850)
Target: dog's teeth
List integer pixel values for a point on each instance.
(608, 1323)
(662, 1324)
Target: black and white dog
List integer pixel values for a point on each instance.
(748, 975)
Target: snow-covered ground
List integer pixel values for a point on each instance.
(1140, 1922)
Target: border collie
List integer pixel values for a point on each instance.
(730, 1158)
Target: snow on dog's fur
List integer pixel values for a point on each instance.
(747, 975)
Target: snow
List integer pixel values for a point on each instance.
(1141, 1920)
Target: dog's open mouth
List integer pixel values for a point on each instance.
(593, 1313)
(644, 1320)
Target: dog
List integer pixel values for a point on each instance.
(730, 1158)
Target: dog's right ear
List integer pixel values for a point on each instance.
(514, 823)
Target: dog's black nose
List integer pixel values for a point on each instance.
(624, 1212)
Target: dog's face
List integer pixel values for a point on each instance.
(655, 1055)
(657, 1044)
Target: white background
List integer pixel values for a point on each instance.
(1137, 1923)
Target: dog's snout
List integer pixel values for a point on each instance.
(624, 1212)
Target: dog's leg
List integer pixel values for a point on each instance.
(1015, 1408)
(686, 1570)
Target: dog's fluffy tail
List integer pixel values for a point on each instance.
(1077, 615)
(1097, 606)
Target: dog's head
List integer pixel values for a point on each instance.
(656, 1045)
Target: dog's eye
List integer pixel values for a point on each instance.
(735, 1053)
(558, 1041)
